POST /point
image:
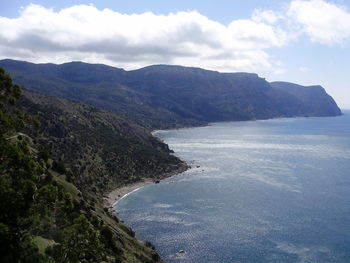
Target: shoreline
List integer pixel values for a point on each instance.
(119, 193)
(115, 195)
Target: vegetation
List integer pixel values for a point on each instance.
(58, 157)
(44, 217)
(96, 150)
(172, 96)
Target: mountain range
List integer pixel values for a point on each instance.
(164, 96)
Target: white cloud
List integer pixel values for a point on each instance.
(323, 22)
(251, 34)
(83, 32)
(266, 16)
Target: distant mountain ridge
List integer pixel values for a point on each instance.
(163, 96)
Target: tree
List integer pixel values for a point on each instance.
(81, 242)
(18, 179)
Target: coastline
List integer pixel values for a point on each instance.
(117, 194)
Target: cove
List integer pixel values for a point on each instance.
(258, 191)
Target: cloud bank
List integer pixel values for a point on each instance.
(323, 22)
(83, 32)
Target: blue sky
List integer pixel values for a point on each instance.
(302, 41)
(223, 11)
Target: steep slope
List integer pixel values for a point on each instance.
(52, 179)
(101, 149)
(168, 96)
(104, 88)
(315, 97)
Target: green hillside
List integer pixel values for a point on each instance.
(100, 150)
(57, 159)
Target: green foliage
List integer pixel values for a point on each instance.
(59, 167)
(94, 149)
(43, 243)
(19, 180)
(81, 242)
(44, 155)
(127, 230)
(11, 118)
(43, 217)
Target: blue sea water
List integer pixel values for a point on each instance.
(259, 191)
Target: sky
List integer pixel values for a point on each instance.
(301, 41)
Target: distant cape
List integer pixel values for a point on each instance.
(163, 96)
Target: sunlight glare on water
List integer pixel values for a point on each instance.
(259, 191)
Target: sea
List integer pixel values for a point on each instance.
(258, 191)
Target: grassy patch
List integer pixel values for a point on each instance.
(42, 243)
(70, 188)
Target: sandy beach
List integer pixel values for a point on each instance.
(117, 194)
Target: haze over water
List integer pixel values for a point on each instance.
(265, 191)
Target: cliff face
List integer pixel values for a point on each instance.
(173, 96)
(314, 98)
